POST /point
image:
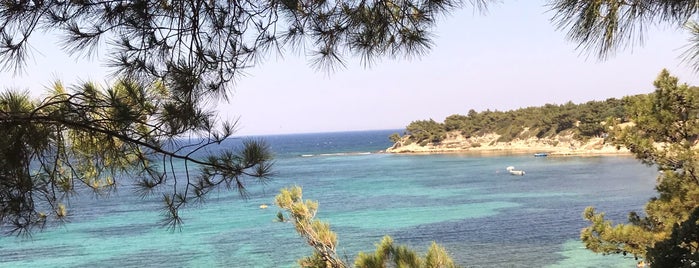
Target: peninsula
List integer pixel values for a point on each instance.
(554, 146)
(568, 129)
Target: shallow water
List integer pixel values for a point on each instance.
(468, 203)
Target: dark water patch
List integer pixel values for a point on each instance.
(147, 258)
(120, 230)
(10, 255)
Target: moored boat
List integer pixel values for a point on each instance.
(515, 172)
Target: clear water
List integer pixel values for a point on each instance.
(466, 202)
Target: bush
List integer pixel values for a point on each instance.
(395, 137)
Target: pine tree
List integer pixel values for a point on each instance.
(96, 139)
(603, 27)
(324, 241)
(172, 58)
(664, 134)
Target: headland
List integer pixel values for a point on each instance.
(560, 145)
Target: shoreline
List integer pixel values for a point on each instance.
(488, 145)
(498, 152)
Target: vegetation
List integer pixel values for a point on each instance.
(602, 27)
(426, 131)
(680, 249)
(93, 138)
(665, 131)
(395, 137)
(323, 240)
(584, 120)
(171, 57)
(664, 135)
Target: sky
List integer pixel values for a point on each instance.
(510, 57)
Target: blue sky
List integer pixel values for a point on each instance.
(510, 57)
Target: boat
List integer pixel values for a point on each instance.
(541, 154)
(515, 172)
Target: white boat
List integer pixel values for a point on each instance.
(515, 172)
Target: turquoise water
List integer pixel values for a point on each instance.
(468, 203)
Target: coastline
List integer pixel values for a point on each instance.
(489, 145)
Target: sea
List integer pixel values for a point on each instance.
(467, 202)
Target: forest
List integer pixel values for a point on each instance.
(584, 120)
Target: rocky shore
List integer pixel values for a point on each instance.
(556, 146)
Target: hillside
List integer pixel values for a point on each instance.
(556, 129)
(488, 143)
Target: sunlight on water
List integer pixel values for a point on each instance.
(481, 214)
